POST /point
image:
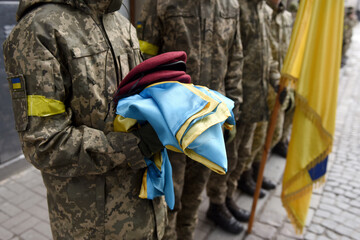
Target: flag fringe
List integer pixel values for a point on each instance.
(302, 103)
(286, 199)
(306, 190)
(305, 170)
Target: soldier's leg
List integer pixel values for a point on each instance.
(196, 177)
(246, 181)
(267, 184)
(289, 115)
(216, 189)
(244, 154)
(281, 147)
(278, 132)
(178, 164)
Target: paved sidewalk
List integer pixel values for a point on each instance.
(333, 214)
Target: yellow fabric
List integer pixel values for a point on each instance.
(158, 162)
(16, 85)
(222, 113)
(313, 59)
(148, 48)
(143, 189)
(122, 124)
(212, 166)
(200, 126)
(41, 106)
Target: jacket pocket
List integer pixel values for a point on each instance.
(19, 100)
(89, 83)
(187, 33)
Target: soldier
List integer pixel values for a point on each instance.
(280, 34)
(256, 74)
(349, 23)
(64, 60)
(292, 6)
(208, 31)
(279, 26)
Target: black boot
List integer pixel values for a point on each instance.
(280, 149)
(220, 215)
(240, 214)
(247, 184)
(267, 184)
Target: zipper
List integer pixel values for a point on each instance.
(107, 39)
(111, 50)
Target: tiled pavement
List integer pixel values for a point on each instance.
(334, 213)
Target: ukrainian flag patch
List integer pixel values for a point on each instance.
(16, 83)
(139, 25)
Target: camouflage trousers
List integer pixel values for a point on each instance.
(190, 178)
(261, 129)
(289, 115)
(282, 127)
(221, 186)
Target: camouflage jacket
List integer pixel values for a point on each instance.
(207, 30)
(259, 67)
(64, 60)
(280, 33)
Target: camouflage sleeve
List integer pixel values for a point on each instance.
(274, 78)
(52, 142)
(233, 78)
(274, 75)
(149, 29)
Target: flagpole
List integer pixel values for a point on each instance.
(269, 136)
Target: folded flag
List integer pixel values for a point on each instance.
(186, 118)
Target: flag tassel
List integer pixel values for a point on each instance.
(286, 199)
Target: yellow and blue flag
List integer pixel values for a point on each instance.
(186, 118)
(313, 63)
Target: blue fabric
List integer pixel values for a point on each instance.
(319, 170)
(159, 182)
(166, 107)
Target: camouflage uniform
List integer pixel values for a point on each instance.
(64, 60)
(349, 23)
(292, 6)
(258, 65)
(208, 31)
(280, 28)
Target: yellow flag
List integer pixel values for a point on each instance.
(313, 62)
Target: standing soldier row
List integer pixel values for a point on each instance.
(256, 76)
(279, 34)
(196, 27)
(62, 77)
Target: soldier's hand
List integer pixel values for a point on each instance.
(229, 135)
(149, 141)
(282, 96)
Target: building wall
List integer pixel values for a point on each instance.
(9, 140)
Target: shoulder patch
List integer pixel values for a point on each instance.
(16, 83)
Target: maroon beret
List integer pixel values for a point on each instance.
(170, 66)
